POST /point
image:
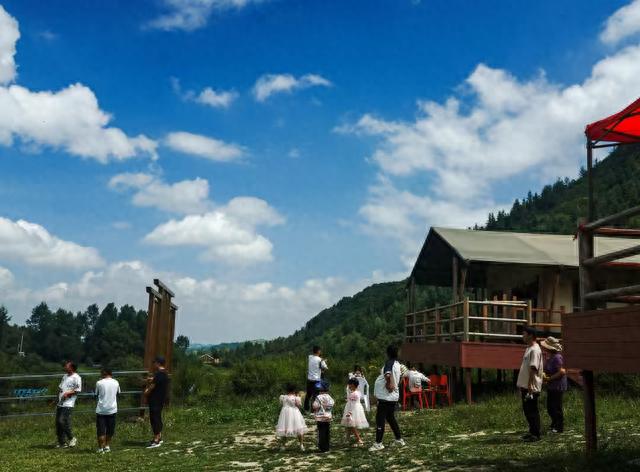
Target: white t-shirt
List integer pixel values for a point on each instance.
(380, 390)
(532, 358)
(69, 382)
(315, 367)
(107, 391)
(416, 378)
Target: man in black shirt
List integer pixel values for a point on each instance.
(156, 394)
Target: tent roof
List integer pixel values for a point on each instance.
(623, 127)
(433, 266)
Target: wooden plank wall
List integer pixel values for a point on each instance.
(465, 354)
(432, 353)
(603, 340)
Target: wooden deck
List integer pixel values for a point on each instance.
(603, 340)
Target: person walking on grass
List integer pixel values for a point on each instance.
(107, 390)
(386, 390)
(555, 377)
(156, 394)
(530, 383)
(291, 422)
(322, 408)
(316, 366)
(354, 417)
(70, 386)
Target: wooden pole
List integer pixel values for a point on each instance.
(465, 314)
(467, 384)
(585, 251)
(454, 281)
(438, 332)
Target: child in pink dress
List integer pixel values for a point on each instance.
(354, 417)
(291, 423)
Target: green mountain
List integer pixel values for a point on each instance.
(557, 207)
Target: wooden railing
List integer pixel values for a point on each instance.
(477, 320)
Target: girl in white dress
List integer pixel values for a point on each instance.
(354, 417)
(291, 423)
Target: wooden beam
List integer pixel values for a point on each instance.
(612, 256)
(623, 215)
(618, 232)
(612, 293)
(162, 286)
(467, 384)
(463, 282)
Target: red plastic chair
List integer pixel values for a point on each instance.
(443, 388)
(410, 393)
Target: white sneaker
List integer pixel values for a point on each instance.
(100, 451)
(107, 449)
(400, 442)
(73, 442)
(153, 444)
(302, 447)
(376, 447)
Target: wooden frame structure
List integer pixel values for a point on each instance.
(161, 321)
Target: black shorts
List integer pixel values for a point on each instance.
(106, 425)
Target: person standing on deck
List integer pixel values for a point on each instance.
(70, 386)
(555, 377)
(156, 394)
(530, 383)
(387, 391)
(316, 366)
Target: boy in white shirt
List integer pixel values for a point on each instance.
(107, 390)
(70, 386)
(387, 391)
(316, 365)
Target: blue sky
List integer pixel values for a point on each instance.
(268, 157)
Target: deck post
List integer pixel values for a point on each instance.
(467, 384)
(438, 332)
(465, 314)
(529, 313)
(585, 251)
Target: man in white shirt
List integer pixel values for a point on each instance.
(315, 367)
(70, 386)
(387, 391)
(530, 383)
(107, 390)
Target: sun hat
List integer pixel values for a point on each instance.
(552, 344)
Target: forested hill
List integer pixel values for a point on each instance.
(354, 329)
(556, 209)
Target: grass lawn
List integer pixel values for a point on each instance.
(485, 436)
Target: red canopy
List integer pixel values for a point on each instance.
(623, 127)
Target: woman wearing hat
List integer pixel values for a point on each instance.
(555, 377)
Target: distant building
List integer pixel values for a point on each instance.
(209, 359)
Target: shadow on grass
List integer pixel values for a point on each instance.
(620, 460)
(140, 443)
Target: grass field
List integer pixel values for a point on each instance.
(485, 436)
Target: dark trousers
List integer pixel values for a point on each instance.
(155, 418)
(386, 412)
(63, 424)
(311, 394)
(106, 425)
(324, 435)
(531, 412)
(554, 408)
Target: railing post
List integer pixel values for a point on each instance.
(485, 314)
(452, 324)
(465, 314)
(438, 328)
(529, 313)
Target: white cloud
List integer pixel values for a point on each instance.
(203, 146)
(9, 35)
(190, 15)
(121, 225)
(207, 96)
(210, 310)
(624, 23)
(271, 84)
(32, 244)
(186, 196)
(496, 129)
(6, 279)
(229, 233)
(70, 119)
